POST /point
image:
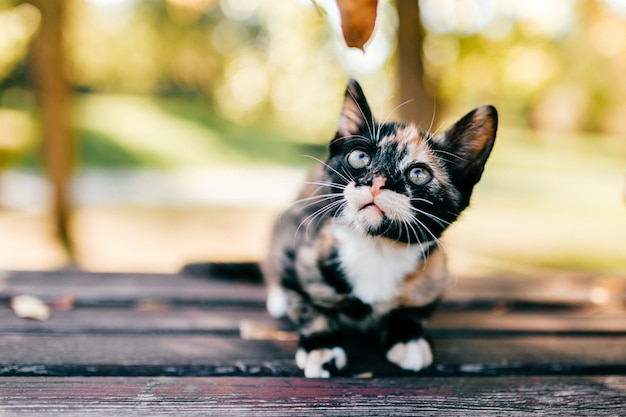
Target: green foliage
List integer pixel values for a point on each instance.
(143, 131)
(99, 149)
(548, 65)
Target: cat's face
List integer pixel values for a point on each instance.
(400, 182)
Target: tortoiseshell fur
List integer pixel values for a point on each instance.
(360, 247)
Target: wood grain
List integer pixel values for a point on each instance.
(549, 396)
(546, 293)
(80, 355)
(154, 344)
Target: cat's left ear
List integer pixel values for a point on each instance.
(356, 116)
(470, 141)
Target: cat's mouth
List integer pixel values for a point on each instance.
(374, 206)
(371, 215)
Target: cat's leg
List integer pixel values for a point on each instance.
(320, 351)
(404, 342)
(412, 355)
(277, 299)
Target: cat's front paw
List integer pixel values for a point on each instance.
(276, 303)
(413, 355)
(321, 363)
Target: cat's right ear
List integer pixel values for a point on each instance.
(356, 116)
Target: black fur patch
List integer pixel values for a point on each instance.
(405, 324)
(332, 274)
(321, 340)
(355, 309)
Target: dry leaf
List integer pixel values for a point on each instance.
(358, 18)
(319, 8)
(254, 330)
(152, 306)
(29, 307)
(66, 302)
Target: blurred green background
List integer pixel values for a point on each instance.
(193, 120)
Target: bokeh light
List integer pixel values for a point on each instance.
(176, 97)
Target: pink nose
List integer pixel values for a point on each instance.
(377, 184)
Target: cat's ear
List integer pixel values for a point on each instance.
(356, 115)
(469, 141)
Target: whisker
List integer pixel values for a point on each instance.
(367, 123)
(422, 234)
(425, 228)
(407, 225)
(361, 137)
(334, 206)
(439, 220)
(348, 174)
(422, 200)
(311, 201)
(339, 210)
(386, 119)
(459, 158)
(436, 131)
(318, 213)
(327, 184)
(424, 246)
(380, 106)
(346, 179)
(432, 120)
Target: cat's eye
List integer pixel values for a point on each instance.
(419, 175)
(358, 158)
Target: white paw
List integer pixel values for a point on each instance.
(276, 302)
(413, 355)
(314, 362)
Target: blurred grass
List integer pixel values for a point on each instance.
(547, 201)
(170, 133)
(167, 133)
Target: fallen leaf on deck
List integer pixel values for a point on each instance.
(65, 303)
(152, 306)
(358, 18)
(254, 330)
(608, 290)
(29, 307)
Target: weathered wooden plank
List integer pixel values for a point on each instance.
(27, 354)
(155, 318)
(148, 320)
(513, 396)
(135, 350)
(128, 290)
(123, 290)
(590, 321)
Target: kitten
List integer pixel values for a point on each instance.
(359, 249)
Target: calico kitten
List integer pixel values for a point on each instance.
(360, 247)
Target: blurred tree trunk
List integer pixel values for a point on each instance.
(53, 96)
(419, 104)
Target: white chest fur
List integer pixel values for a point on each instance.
(374, 266)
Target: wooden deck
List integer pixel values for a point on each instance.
(177, 345)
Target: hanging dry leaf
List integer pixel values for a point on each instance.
(358, 18)
(322, 11)
(29, 307)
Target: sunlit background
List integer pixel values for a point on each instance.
(195, 122)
